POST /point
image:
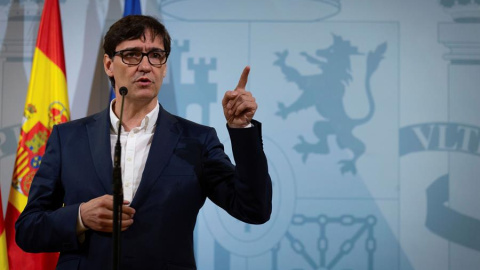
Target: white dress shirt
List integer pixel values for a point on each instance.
(135, 148)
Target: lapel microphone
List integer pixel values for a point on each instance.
(118, 189)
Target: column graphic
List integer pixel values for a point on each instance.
(462, 37)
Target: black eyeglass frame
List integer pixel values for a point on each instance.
(167, 53)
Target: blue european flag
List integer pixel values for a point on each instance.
(132, 7)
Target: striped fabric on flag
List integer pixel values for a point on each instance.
(3, 239)
(132, 7)
(46, 105)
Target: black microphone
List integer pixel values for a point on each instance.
(118, 189)
(123, 92)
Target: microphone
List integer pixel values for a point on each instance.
(123, 92)
(118, 189)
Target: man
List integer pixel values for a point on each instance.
(170, 166)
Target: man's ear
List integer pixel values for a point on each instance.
(108, 65)
(165, 71)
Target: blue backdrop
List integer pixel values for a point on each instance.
(370, 113)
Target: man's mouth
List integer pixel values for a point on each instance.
(144, 80)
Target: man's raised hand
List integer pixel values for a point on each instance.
(239, 105)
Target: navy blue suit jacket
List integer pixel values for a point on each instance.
(186, 164)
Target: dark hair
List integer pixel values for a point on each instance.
(133, 27)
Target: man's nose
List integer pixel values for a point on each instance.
(144, 63)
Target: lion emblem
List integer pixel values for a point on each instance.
(325, 91)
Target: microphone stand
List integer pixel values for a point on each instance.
(118, 190)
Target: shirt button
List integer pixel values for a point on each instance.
(129, 159)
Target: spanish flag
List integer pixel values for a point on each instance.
(3, 240)
(46, 105)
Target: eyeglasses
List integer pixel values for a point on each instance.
(132, 57)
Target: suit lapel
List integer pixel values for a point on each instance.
(165, 139)
(99, 142)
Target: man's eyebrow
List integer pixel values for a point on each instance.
(141, 49)
(155, 49)
(132, 49)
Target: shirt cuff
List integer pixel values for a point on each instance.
(81, 229)
(248, 126)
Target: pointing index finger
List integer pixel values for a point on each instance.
(242, 83)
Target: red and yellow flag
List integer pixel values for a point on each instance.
(46, 105)
(3, 239)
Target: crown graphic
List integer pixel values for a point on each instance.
(462, 11)
(250, 10)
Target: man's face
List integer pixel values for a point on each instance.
(143, 81)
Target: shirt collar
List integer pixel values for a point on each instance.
(148, 123)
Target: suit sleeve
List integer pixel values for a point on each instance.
(244, 190)
(46, 225)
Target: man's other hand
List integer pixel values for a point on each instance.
(97, 214)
